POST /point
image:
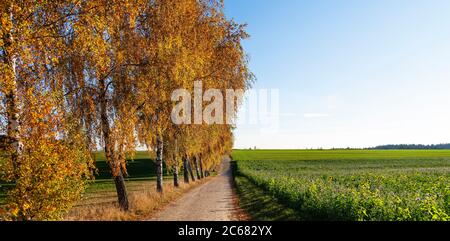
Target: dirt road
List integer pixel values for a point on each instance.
(213, 201)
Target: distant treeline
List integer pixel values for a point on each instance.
(412, 147)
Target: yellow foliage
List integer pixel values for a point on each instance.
(79, 74)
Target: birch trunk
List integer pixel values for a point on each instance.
(190, 170)
(159, 163)
(176, 182)
(121, 191)
(197, 167)
(202, 174)
(12, 110)
(116, 171)
(185, 169)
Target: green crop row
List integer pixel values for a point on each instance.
(363, 190)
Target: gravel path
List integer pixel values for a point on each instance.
(212, 201)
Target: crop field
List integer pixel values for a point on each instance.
(362, 185)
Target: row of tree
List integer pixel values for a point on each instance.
(412, 147)
(78, 74)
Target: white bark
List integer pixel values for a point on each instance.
(13, 128)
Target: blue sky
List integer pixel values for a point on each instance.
(352, 73)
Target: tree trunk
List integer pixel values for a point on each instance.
(116, 171)
(190, 170)
(202, 174)
(159, 163)
(176, 182)
(12, 110)
(121, 191)
(197, 167)
(15, 145)
(186, 169)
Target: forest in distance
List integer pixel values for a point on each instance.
(413, 147)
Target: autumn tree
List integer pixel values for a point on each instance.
(101, 69)
(167, 26)
(193, 41)
(79, 75)
(45, 157)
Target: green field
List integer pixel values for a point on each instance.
(345, 184)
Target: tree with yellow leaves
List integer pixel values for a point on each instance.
(188, 41)
(45, 157)
(78, 75)
(101, 77)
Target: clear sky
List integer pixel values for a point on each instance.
(351, 73)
